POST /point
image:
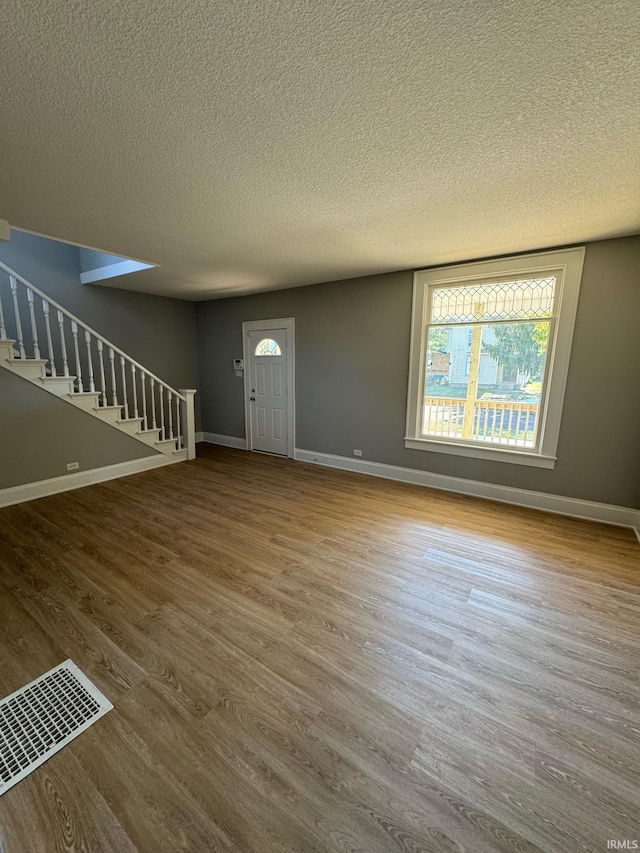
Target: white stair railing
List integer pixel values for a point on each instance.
(94, 364)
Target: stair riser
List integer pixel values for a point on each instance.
(6, 349)
(166, 447)
(60, 388)
(28, 371)
(88, 404)
(149, 440)
(107, 416)
(130, 427)
(168, 451)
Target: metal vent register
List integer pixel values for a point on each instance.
(39, 719)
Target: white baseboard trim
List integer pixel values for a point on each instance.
(224, 440)
(68, 482)
(620, 516)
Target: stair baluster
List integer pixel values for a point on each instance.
(145, 419)
(14, 292)
(114, 393)
(125, 402)
(87, 338)
(63, 345)
(170, 412)
(47, 324)
(34, 330)
(3, 330)
(178, 424)
(153, 404)
(74, 332)
(103, 384)
(162, 432)
(134, 389)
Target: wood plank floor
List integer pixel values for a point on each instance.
(308, 660)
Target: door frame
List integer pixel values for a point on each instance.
(287, 323)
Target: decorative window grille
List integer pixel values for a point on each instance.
(268, 346)
(526, 299)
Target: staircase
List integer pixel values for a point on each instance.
(46, 345)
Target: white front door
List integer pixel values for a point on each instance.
(269, 395)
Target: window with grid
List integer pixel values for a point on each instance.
(489, 356)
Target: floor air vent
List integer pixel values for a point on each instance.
(39, 719)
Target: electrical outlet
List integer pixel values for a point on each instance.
(73, 466)
(357, 453)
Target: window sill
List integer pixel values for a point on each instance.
(494, 454)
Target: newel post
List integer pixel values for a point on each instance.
(189, 421)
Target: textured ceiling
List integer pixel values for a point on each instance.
(253, 145)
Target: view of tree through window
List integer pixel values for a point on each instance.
(486, 355)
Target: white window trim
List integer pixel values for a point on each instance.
(569, 263)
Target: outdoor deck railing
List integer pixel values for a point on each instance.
(495, 421)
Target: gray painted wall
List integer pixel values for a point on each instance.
(40, 433)
(352, 360)
(159, 333)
